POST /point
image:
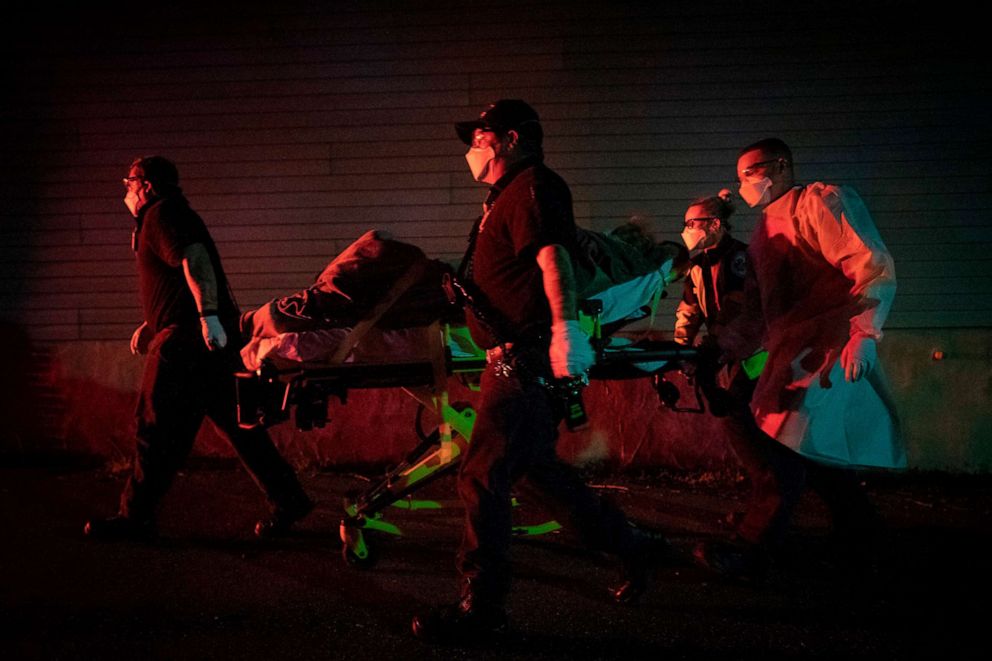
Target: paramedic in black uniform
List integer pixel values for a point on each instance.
(190, 336)
(518, 262)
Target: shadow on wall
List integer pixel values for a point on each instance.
(58, 400)
(628, 429)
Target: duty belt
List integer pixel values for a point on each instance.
(524, 359)
(567, 392)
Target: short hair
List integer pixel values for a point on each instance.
(719, 206)
(771, 146)
(160, 171)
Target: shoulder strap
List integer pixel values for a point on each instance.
(362, 328)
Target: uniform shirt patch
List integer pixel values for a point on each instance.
(738, 264)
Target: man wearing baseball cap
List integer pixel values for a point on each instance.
(517, 273)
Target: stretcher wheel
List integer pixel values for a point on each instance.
(354, 560)
(355, 547)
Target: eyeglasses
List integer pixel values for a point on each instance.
(699, 223)
(128, 180)
(760, 165)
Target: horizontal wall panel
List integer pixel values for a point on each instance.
(96, 316)
(109, 331)
(40, 288)
(247, 201)
(238, 183)
(41, 271)
(110, 154)
(23, 307)
(298, 127)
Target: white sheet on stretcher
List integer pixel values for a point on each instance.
(623, 301)
(377, 346)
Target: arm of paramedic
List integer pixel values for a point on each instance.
(559, 283)
(688, 316)
(202, 282)
(571, 354)
(849, 241)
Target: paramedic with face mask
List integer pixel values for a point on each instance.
(714, 285)
(818, 290)
(713, 296)
(190, 337)
(524, 313)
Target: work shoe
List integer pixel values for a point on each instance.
(120, 528)
(649, 549)
(282, 519)
(745, 562)
(464, 622)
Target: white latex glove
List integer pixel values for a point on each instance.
(140, 338)
(571, 354)
(858, 357)
(213, 332)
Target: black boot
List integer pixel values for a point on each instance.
(283, 517)
(468, 621)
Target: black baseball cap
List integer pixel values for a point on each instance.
(500, 117)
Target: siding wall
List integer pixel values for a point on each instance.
(298, 126)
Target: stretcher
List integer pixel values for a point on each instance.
(382, 315)
(420, 363)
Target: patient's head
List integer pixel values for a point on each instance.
(634, 235)
(661, 253)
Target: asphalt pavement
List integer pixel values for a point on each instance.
(206, 589)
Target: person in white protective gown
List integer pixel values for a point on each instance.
(820, 285)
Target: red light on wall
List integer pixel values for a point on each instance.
(936, 354)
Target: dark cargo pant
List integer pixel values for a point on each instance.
(514, 437)
(183, 382)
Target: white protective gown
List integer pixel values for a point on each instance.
(820, 274)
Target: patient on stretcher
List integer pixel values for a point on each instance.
(392, 286)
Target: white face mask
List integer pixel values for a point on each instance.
(756, 192)
(692, 237)
(131, 201)
(480, 161)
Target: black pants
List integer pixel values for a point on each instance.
(182, 384)
(778, 477)
(514, 437)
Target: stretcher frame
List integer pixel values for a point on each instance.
(268, 395)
